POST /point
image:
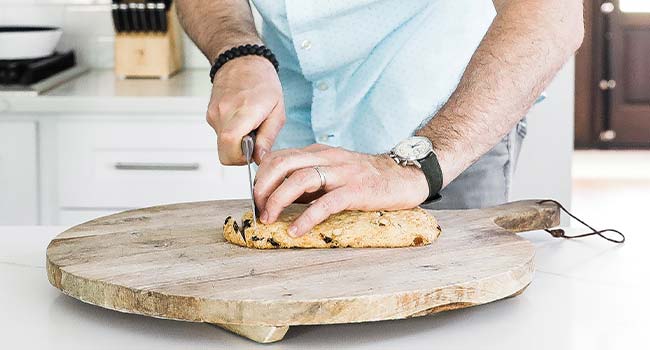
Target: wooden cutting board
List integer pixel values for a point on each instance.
(172, 262)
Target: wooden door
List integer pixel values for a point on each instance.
(630, 118)
(612, 92)
(624, 82)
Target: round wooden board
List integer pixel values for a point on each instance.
(172, 262)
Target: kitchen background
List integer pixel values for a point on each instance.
(96, 144)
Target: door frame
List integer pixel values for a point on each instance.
(584, 84)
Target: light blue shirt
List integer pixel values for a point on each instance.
(365, 74)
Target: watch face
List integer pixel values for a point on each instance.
(413, 148)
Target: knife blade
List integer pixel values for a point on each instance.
(247, 147)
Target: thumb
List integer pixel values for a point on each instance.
(268, 131)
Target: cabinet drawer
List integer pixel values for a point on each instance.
(135, 164)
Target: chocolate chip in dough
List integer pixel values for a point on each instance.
(255, 238)
(227, 219)
(327, 239)
(246, 224)
(235, 226)
(273, 242)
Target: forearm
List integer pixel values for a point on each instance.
(217, 25)
(527, 43)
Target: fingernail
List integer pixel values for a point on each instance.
(292, 231)
(262, 154)
(265, 216)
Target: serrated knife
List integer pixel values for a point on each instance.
(247, 147)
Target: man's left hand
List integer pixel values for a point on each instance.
(353, 181)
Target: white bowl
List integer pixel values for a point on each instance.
(23, 42)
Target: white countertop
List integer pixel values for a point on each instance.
(100, 91)
(586, 294)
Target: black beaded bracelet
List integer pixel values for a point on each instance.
(243, 50)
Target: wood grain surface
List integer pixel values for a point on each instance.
(172, 262)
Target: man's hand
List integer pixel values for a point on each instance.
(246, 95)
(353, 181)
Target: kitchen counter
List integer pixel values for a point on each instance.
(586, 294)
(99, 91)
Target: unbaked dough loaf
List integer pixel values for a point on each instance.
(401, 228)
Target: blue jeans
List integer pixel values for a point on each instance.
(486, 182)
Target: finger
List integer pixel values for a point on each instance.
(316, 147)
(268, 158)
(242, 121)
(274, 170)
(268, 131)
(302, 181)
(330, 203)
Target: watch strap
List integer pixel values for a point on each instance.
(433, 174)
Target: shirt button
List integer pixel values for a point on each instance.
(306, 45)
(322, 86)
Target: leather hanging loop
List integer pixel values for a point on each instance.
(559, 233)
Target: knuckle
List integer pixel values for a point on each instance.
(273, 202)
(227, 103)
(227, 136)
(277, 161)
(281, 118)
(308, 218)
(224, 160)
(263, 140)
(327, 204)
(300, 177)
(258, 189)
(211, 117)
(355, 187)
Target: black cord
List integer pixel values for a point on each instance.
(558, 232)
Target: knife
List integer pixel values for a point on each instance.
(135, 17)
(116, 16)
(144, 26)
(247, 147)
(153, 21)
(162, 16)
(124, 14)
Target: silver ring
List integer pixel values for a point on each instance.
(323, 180)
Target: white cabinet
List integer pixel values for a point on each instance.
(117, 164)
(109, 165)
(18, 173)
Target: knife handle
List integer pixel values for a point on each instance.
(248, 145)
(116, 16)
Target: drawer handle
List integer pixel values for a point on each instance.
(157, 166)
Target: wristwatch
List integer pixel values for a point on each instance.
(418, 151)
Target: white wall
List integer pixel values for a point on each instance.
(544, 169)
(87, 28)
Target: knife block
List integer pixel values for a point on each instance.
(150, 54)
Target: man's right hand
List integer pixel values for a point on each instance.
(246, 95)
